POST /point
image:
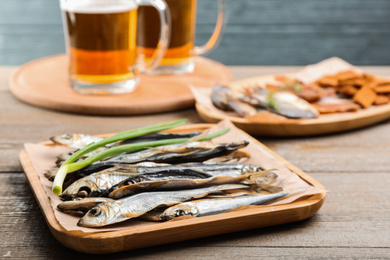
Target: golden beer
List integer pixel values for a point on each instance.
(101, 42)
(183, 19)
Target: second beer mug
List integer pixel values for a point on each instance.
(181, 50)
(101, 43)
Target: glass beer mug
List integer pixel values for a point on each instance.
(178, 58)
(101, 43)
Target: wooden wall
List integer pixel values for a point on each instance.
(259, 32)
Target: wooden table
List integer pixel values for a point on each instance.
(354, 166)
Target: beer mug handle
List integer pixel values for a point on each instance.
(162, 45)
(217, 34)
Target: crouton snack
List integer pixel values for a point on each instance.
(363, 88)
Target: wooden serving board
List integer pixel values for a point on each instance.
(274, 125)
(177, 230)
(44, 83)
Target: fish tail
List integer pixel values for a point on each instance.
(266, 180)
(266, 187)
(262, 177)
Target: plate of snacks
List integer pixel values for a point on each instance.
(328, 97)
(144, 187)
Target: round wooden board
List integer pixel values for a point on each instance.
(44, 83)
(273, 125)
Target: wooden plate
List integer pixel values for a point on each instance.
(275, 126)
(179, 230)
(44, 83)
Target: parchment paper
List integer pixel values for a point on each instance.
(43, 158)
(326, 67)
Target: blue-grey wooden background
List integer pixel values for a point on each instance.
(258, 32)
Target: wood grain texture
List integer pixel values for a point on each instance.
(258, 32)
(336, 228)
(354, 166)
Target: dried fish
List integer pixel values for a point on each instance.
(283, 103)
(94, 184)
(137, 184)
(192, 152)
(104, 182)
(81, 206)
(131, 207)
(76, 141)
(173, 154)
(234, 157)
(206, 207)
(149, 167)
(158, 136)
(228, 99)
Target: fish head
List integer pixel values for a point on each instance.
(76, 141)
(102, 215)
(183, 209)
(263, 177)
(251, 169)
(81, 189)
(66, 139)
(219, 97)
(292, 106)
(80, 205)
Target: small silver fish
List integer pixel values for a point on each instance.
(172, 182)
(131, 207)
(205, 207)
(97, 182)
(157, 136)
(76, 141)
(234, 157)
(81, 206)
(242, 109)
(228, 99)
(234, 169)
(283, 103)
(193, 152)
(106, 182)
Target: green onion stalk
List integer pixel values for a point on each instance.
(74, 166)
(58, 181)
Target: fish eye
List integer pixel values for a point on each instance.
(95, 212)
(84, 192)
(129, 182)
(180, 212)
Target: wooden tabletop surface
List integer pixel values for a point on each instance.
(354, 222)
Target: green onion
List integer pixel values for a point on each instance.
(132, 148)
(58, 181)
(123, 136)
(271, 101)
(298, 87)
(71, 167)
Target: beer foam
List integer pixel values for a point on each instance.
(93, 6)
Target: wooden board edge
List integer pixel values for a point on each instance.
(290, 128)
